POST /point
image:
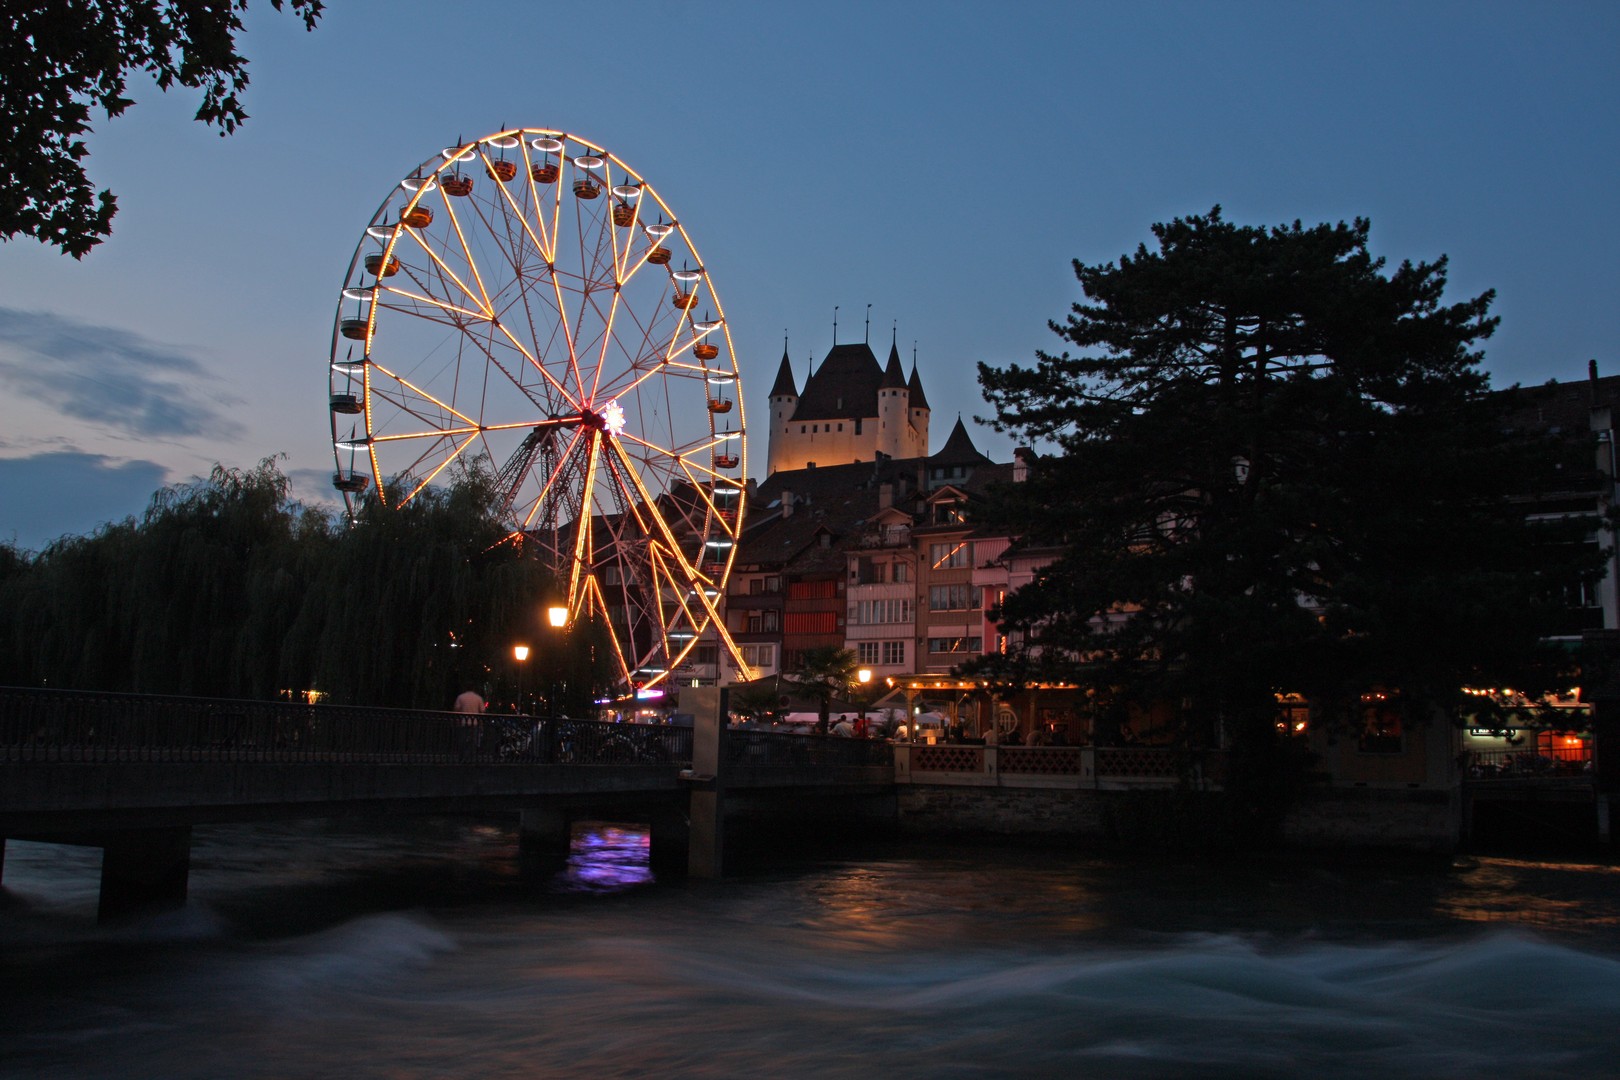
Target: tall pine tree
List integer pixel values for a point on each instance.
(1271, 465)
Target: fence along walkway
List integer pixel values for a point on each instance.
(80, 726)
(1062, 766)
(67, 725)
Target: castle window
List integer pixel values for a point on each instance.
(801, 429)
(857, 427)
(840, 427)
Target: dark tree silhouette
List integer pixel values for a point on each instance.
(1272, 466)
(824, 672)
(59, 59)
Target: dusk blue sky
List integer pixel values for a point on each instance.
(942, 162)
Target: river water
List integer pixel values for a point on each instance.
(424, 949)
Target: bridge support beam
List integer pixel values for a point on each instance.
(669, 851)
(707, 809)
(144, 870)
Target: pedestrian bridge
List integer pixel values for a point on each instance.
(133, 773)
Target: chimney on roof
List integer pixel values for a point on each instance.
(787, 504)
(1591, 378)
(1023, 457)
(885, 496)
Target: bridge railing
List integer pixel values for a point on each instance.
(743, 747)
(68, 725)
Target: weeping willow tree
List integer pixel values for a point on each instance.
(192, 598)
(228, 587)
(61, 614)
(207, 590)
(423, 599)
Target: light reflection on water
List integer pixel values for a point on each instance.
(426, 950)
(604, 857)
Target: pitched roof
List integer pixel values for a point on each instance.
(784, 385)
(845, 385)
(958, 449)
(1559, 406)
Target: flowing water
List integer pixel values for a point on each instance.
(425, 949)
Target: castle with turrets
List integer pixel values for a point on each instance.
(852, 409)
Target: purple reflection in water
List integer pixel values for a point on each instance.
(604, 857)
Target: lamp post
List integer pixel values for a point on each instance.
(557, 616)
(520, 653)
(864, 677)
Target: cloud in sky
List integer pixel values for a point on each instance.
(65, 492)
(313, 487)
(107, 376)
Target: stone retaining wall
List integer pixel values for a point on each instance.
(1423, 820)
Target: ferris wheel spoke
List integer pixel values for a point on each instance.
(666, 619)
(618, 650)
(482, 295)
(567, 331)
(535, 363)
(556, 481)
(448, 274)
(661, 527)
(517, 213)
(448, 458)
(585, 522)
(421, 394)
(442, 305)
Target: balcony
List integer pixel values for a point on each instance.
(898, 536)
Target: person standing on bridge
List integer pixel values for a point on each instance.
(469, 725)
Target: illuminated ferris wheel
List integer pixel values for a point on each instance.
(528, 298)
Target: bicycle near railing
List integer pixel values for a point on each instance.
(565, 741)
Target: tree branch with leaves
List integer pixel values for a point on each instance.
(62, 59)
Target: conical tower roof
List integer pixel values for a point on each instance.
(894, 376)
(784, 386)
(919, 400)
(959, 449)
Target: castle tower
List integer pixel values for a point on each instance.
(784, 400)
(850, 409)
(894, 424)
(918, 414)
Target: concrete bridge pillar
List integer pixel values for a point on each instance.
(144, 870)
(707, 809)
(671, 838)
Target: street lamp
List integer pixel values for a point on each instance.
(557, 616)
(864, 677)
(520, 653)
